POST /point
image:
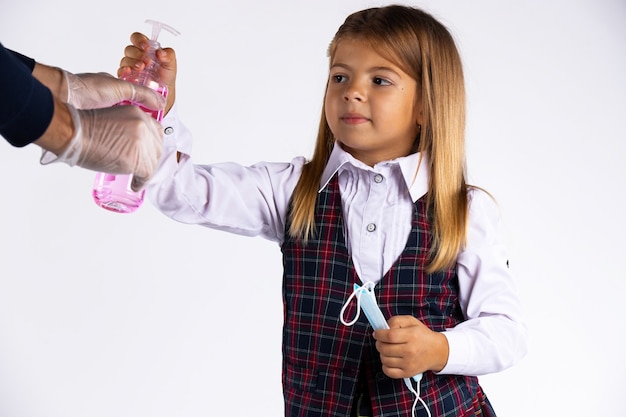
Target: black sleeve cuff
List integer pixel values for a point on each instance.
(26, 105)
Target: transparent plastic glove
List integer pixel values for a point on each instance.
(116, 140)
(93, 91)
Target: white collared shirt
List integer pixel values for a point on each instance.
(377, 206)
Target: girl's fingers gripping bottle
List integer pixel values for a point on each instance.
(113, 192)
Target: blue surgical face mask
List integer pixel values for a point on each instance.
(366, 301)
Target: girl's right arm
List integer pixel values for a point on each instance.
(245, 200)
(250, 201)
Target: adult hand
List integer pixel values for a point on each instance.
(96, 90)
(115, 140)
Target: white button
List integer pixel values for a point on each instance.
(378, 178)
(371, 227)
(168, 130)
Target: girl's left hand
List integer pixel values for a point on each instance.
(409, 348)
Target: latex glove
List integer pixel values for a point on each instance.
(115, 140)
(93, 91)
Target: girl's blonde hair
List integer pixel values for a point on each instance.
(424, 49)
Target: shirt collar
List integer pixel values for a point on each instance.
(414, 169)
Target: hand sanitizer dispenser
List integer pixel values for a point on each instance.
(113, 192)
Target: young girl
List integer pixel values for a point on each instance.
(383, 203)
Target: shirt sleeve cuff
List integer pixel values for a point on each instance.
(461, 351)
(176, 134)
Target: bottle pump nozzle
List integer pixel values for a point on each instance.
(154, 45)
(156, 29)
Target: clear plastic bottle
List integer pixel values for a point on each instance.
(113, 192)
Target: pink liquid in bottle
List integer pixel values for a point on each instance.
(113, 192)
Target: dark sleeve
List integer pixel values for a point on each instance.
(29, 62)
(26, 105)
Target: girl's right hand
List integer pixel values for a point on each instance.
(136, 58)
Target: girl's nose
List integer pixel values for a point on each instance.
(354, 93)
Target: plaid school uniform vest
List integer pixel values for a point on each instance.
(322, 357)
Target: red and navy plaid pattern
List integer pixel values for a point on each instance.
(322, 357)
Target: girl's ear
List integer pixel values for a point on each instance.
(419, 117)
(419, 112)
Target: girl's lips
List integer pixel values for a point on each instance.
(354, 119)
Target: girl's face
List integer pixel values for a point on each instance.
(371, 105)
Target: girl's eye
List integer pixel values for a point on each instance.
(381, 81)
(338, 78)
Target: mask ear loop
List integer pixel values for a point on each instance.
(368, 286)
(345, 306)
(418, 399)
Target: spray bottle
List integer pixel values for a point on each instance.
(113, 192)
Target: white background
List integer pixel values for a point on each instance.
(103, 314)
